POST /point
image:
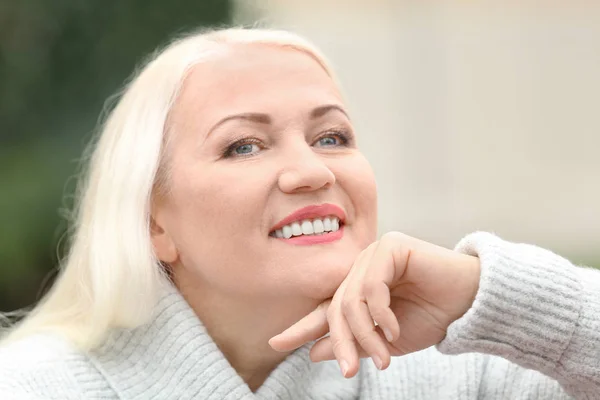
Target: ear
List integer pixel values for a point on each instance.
(163, 244)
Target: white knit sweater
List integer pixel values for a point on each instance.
(533, 333)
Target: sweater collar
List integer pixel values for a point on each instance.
(174, 357)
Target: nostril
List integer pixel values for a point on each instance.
(305, 178)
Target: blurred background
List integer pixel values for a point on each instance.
(476, 115)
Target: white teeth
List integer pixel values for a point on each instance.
(318, 226)
(327, 224)
(335, 225)
(296, 229)
(307, 228)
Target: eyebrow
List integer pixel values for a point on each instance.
(265, 119)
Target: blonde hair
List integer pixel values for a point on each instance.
(110, 277)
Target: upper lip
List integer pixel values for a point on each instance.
(314, 211)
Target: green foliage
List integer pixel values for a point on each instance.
(59, 61)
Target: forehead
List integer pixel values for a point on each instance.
(261, 78)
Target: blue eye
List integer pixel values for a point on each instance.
(245, 149)
(329, 141)
(333, 138)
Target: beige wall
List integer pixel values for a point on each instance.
(473, 115)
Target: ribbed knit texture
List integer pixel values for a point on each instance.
(535, 309)
(534, 312)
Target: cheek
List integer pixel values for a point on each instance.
(216, 203)
(358, 180)
(218, 212)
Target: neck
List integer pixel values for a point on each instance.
(241, 327)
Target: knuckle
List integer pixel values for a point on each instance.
(370, 287)
(378, 314)
(336, 345)
(348, 306)
(393, 237)
(364, 338)
(354, 307)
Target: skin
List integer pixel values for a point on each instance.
(213, 226)
(413, 289)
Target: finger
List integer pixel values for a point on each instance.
(378, 300)
(342, 339)
(359, 317)
(323, 350)
(365, 332)
(387, 266)
(311, 327)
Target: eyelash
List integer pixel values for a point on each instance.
(343, 136)
(228, 152)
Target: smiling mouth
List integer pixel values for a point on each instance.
(325, 226)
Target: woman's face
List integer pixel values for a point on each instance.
(259, 135)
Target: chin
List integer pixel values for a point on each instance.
(320, 279)
(317, 272)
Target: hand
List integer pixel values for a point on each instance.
(399, 297)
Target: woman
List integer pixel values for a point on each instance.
(225, 202)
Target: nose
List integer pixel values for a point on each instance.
(304, 171)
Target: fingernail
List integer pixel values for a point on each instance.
(344, 367)
(388, 334)
(377, 361)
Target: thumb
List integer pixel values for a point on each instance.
(311, 327)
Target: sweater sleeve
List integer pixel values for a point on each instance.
(535, 309)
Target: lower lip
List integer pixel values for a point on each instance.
(307, 240)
